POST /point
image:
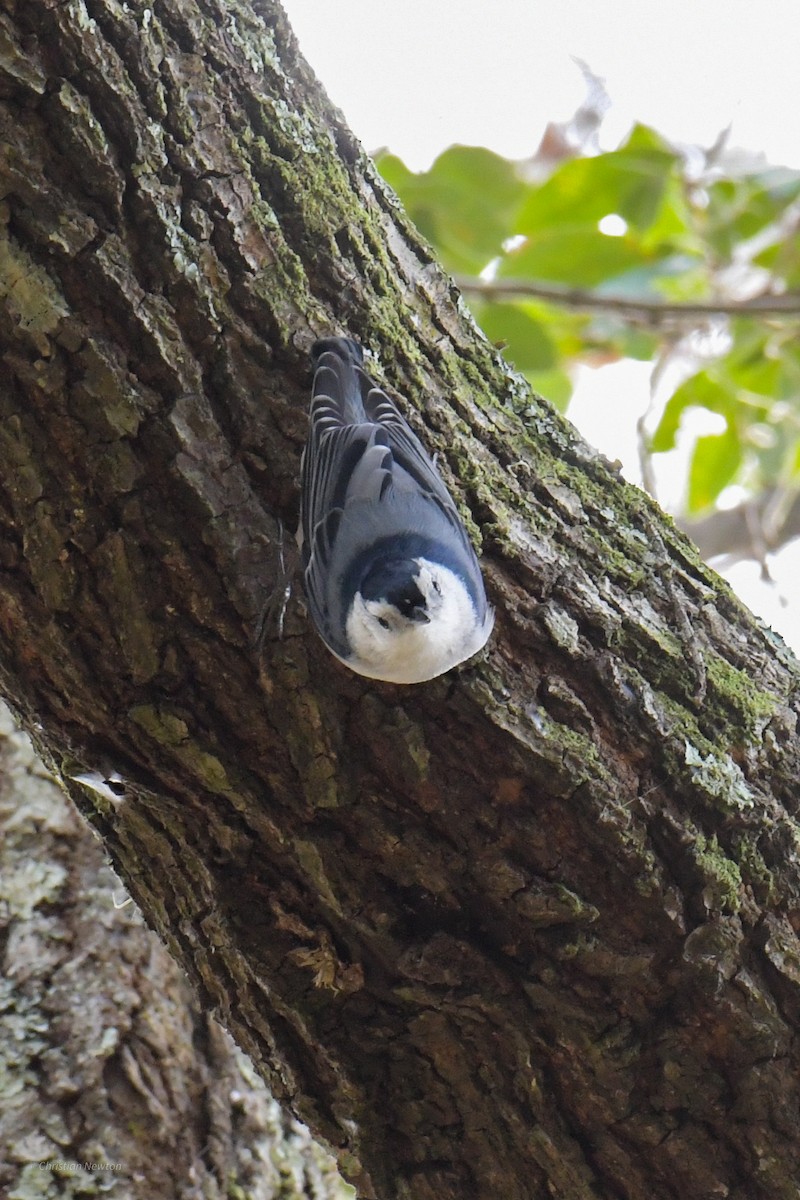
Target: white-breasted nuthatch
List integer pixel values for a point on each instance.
(391, 577)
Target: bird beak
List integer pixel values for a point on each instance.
(419, 616)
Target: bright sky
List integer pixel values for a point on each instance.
(418, 75)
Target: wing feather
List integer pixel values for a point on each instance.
(363, 456)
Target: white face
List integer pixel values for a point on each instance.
(387, 645)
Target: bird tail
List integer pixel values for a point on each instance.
(337, 364)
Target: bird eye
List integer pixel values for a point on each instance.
(437, 587)
(384, 624)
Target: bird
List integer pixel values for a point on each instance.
(392, 581)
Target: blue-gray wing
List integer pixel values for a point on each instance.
(363, 457)
(412, 464)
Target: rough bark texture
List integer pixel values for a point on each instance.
(112, 1080)
(527, 931)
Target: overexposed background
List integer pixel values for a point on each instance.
(418, 75)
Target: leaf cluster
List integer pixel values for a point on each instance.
(626, 254)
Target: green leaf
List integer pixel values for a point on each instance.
(631, 182)
(715, 461)
(526, 341)
(737, 209)
(700, 391)
(465, 205)
(782, 259)
(555, 386)
(573, 255)
(636, 343)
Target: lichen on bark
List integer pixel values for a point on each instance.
(113, 1080)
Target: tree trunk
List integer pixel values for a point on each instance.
(109, 1071)
(525, 931)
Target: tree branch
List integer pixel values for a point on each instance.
(645, 311)
(110, 1066)
(731, 531)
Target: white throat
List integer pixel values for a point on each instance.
(412, 652)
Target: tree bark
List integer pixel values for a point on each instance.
(526, 931)
(112, 1079)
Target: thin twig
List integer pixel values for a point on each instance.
(649, 310)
